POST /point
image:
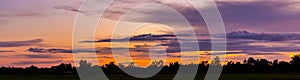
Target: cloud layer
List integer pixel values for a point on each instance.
(262, 36)
(251, 43)
(5, 51)
(20, 43)
(142, 37)
(58, 50)
(267, 15)
(247, 42)
(36, 62)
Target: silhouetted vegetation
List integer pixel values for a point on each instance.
(249, 65)
(61, 69)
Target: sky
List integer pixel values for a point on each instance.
(39, 32)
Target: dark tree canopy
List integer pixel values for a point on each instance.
(249, 65)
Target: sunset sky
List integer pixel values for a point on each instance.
(39, 32)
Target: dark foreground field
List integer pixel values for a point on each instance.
(235, 76)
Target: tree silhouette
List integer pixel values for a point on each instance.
(295, 62)
(216, 61)
(249, 65)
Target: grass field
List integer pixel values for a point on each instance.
(235, 76)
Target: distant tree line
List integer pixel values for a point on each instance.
(61, 69)
(249, 65)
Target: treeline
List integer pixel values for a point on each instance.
(249, 65)
(61, 69)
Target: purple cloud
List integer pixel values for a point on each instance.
(244, 41)
(36, 56)
(142, 37)
(20, 43)
(262, 36)
(57, 50)
(36, 62)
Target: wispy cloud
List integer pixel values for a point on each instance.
(267, 15)
(262, 36)
(36, 62)
(12, 10)
(20, 43)
(53, 50)
(5, 51)
(44, 56)
(58, 50)
(250, 43)
(19, 14)
(142, 37)
(245, 41)
(69, 8)
(245, 47)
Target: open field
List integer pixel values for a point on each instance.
(235, 76)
